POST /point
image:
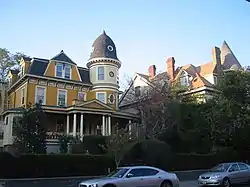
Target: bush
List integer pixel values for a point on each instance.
(91, 144)
(149, 152)
(54, 165)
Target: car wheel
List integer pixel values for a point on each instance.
(226, 182)
(166, 184)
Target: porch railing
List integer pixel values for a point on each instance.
(56, 135)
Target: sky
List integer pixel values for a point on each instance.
(145, 32)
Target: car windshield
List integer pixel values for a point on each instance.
(119, 173)
(220, 168)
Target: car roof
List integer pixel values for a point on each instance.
(138, 167)
(230, 163)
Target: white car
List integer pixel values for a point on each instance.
(135, 176)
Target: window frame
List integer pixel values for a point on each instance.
(57, 65)
(244, 166)
(142, 170)
(70, 71)
(215, 80)
(105, 97)
(45, 91)
(85, 96)
(98, 74)
(22, 95)
(137, 90)
(58, 93)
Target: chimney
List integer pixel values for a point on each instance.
(151, 71)
(171, 67)
(216, 53)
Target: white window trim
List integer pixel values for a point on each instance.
(97, 74)
(63, 70)
(85, 95)
(45, 93)
(22, 95)
(105, 96)
(113, 100)
(58, 90)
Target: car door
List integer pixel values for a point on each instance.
(244, 175)
(149, 177)
(133, 178)
(234, 174)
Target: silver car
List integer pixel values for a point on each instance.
(133, 177)
(226, 175)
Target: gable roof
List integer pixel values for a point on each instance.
(63, 58)
(97, 103)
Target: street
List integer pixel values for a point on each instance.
(67, 183)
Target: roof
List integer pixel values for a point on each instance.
(38, 67)
(63, 58)
(103, 47)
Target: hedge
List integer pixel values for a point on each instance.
(59, 165)
(54, 165)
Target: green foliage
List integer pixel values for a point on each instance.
(54, 165)
(30, 130)
(64, 141)
(7, 61)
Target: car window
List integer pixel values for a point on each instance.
(234, 167)
(139, 172)
(243, 167)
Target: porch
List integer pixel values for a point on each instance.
(82, 124)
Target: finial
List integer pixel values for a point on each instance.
(61, 51)
(104, 32)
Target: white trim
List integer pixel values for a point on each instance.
(105, 96)
(95, 101)
(45, 93)
(63, 90)
(22, 94)
(102, 88)
(56, 69)
(63, 70)
(70, 73)
(85, 95)
(102, 61)
(105, 87)
(110, 48)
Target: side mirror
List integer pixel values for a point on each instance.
(129, 175)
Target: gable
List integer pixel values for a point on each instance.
(94, 104)
(62, 57)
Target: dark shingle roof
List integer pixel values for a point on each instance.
(84, 73)
(38, 67)
(103, 47)
(63, 57)
(26, 58)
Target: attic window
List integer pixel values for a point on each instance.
(195, 79)
(137, 91)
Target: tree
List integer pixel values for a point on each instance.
(7, 61)
(119, 143)
(29, 130)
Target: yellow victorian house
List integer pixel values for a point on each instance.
(78, 101)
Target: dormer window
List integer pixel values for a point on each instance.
(63, 71)
(184, 79)
(137, 91)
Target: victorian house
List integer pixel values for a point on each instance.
(78, 101)
(199, 80)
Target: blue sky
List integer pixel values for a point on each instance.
(145, 31)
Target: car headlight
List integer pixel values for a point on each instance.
(215, 177)
(94, 185)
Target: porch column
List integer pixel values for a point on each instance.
(129, 128)
(109, 125)
(74, 126)
(103, 125)
(67, 128)
(81, 126)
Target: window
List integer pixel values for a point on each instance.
(101, 96)
(40, 95)
(137, 91)
(59, 70)
(62, 98)
(215, 80)
(67, 70)
(22, 96)
(22, 71)
(81, 96)
(6, 120)
(234, 167)
(111, 99)
(243, 167)
(143, 172)
(184, 80)
(100, 73)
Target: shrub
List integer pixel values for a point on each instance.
(91, 144)
(54, 165)
(149, 152)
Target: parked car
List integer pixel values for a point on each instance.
(135, 176)
(226, 175)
